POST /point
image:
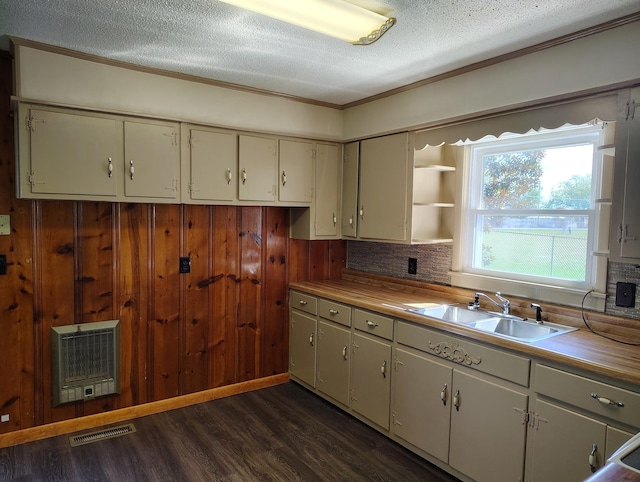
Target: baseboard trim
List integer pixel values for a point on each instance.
(123, 414)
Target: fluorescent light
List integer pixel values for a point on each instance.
(336, 18)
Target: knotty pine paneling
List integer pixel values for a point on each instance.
(18, 396)
(226, 321)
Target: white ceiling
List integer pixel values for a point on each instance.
(215, 40)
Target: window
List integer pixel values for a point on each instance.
(532, 215)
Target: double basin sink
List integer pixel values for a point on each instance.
(507, 326)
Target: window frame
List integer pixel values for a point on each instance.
(463, 274)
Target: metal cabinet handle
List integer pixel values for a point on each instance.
(593, 458)
(303, 303)
(606, 401)
(351, 221)
(456, 400)
(110, 168)
(443, 395)
(284, 178)
(229, 176)
(362, 212)
(371, 324)
(344, 352)
(383, 369)
(131, 169)
(333, 312)
(335, 219)
(244, 175)
(311, 339)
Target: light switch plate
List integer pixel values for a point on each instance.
(5, 228)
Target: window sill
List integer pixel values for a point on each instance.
(535, 292)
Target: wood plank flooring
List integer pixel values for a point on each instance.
(282, 433)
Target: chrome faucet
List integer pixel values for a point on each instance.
(505, 306)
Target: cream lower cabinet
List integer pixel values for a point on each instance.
(573, 433)
(302, 337)
(334, 355)
(421, 412)
(371, 379)
(488, 429)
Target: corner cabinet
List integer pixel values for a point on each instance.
(625, 232)
(320, 219)
(419, 189)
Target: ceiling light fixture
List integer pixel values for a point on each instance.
(336, 18)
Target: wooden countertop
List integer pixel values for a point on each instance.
(579, 349)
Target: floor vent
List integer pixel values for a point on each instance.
(88, 438)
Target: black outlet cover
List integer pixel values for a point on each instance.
(185, 264)
(626, 295)
(3, 264)
(413, 265)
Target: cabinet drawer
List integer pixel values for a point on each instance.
(303, 302)
(373, 323)
(576, 390)
(488, 360)
(333, 311)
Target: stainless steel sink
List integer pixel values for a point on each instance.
(453, 313)
(520, 330)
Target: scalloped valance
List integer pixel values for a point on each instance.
(549, 117)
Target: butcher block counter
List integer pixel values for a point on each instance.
(579, 349)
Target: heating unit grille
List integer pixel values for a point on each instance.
(86, 361)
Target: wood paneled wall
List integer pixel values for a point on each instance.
(226, 321)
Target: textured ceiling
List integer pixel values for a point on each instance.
(215, 40)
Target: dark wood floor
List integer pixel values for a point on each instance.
(278, 434)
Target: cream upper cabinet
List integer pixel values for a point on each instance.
(68, 155)
(625, 232)
(320, 220)
(295, 174)
(350, 168)
(152, 160)
(212, 173)
(257, 168)
(383, 188)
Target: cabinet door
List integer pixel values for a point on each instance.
(258, 168)
(350, 164)
(327, 188)
(370, 379)
(630, 246)
(562, 443)
(296, 171)
(422, 403)
(213, 167)
(302, 348)
(152, 160)
(73, 154)
(333, 361)
(488, 430)
(384, 174)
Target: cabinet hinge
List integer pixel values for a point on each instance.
(394, 421)
(631, 109)
(525, 415)
(31, 123)
(32, 179)
(396, 364)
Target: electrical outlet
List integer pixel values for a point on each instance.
(4, 417)
(413, 266)
(3, 264)
(626, 295)
(185, 264)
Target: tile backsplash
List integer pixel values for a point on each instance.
(434, 263)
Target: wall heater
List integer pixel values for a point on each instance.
(86, 361)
